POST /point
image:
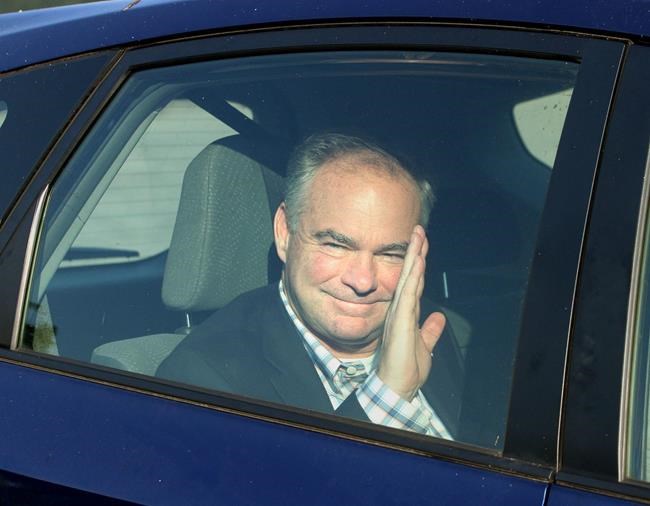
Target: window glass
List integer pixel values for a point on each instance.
(51, 93)
(637, 451)
(539, 123)
(3, 112)
(165, 240)
(135, 217)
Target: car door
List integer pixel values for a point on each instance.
(604, 440)
(508, 124)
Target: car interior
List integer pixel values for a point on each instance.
(450, 115)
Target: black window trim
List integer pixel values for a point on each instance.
(515, 458)
(603, 321)
(107, 59)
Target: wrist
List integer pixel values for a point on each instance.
(398, 387)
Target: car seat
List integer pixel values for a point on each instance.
(222, 243)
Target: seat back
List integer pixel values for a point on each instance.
(221, 243)
(223, 231)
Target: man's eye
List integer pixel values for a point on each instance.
(334, 245)
(394, 256)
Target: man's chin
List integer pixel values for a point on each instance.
(353, 337)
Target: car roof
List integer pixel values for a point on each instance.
(37, 36)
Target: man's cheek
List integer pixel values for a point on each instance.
(391, 277)
(323, 267)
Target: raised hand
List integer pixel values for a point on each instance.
(406, 348)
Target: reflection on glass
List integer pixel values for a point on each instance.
(637, 425)
(539, 123)
(3, 112)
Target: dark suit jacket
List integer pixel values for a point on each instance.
(252, 348)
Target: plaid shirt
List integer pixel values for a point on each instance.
(380, 403)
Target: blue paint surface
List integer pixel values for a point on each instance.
(151, 450)
(36, 36)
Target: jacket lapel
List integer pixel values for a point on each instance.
(291, 371)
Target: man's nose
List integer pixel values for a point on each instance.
(360, 273)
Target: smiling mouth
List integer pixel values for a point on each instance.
(355, 302)
(354, 308)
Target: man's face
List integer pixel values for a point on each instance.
(343, 262)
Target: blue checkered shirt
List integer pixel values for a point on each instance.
(380, 403)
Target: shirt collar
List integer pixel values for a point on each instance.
(321, 356)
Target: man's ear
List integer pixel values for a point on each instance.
(281, 232)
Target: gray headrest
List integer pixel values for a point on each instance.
(223, 231)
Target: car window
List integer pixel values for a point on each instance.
(161, 251)
(135, 217)
(51, 93)
(636, 416)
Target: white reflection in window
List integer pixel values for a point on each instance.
(3, 112)
(539, 122)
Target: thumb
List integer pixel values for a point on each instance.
(432, 330)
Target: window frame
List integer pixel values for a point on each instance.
(604, 317)
(523, 455)
(66, 83)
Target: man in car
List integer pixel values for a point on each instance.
(341, 332)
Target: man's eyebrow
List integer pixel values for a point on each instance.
(394, 247)
(336, 236)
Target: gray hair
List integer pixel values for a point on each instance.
(319, 149)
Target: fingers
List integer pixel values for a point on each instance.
(406, 300)
(423, 257)
(412, 290)
(425, 244)
(432, 330)
(406, 349)
(413, 273)
(420, 287)
(415, 250)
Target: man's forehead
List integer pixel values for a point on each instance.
(362, 166)
(359, 161)
(342, 184)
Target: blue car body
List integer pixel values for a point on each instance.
(36, 36)
(85, 437)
